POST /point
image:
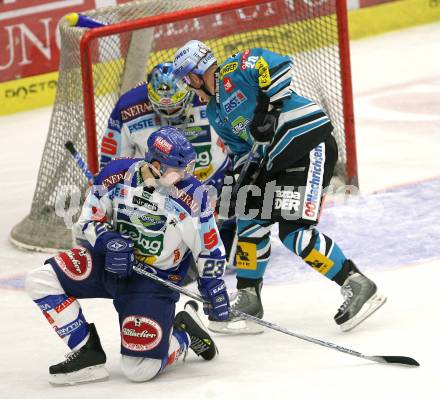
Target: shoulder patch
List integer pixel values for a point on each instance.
(228, 68)
(114, 172)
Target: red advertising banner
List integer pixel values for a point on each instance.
(28, 41)
(29, 45)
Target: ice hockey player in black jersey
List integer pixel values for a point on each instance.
(251, 102)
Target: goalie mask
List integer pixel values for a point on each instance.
(167, 99)
(174, 152)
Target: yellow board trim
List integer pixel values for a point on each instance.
(28, 93)
(391, 16)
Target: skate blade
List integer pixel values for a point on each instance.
(238, 327)
(369, 307)
(87, 375)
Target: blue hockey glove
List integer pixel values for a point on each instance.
(118, 251)
(214, 291)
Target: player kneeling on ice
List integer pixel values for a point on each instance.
(254, 110)
(150, 214)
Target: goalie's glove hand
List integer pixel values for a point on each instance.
(213, 290)
(118, 251)
(262, 127)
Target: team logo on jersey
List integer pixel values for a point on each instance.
(109, 145)
(263, 71)
(153, 222)
(112, 179)
(233, 101)
(198, 134)
(314, 183)
(136, 110)
(121, 191)
(140, 333)
(228, 68)
(210, 239)
(146, 122)
(228, 85)
(287, 200)
(239, 126)
(147, 245)
(151, 206)
(76, 263)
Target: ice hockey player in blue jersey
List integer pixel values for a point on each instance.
(160, 102)
(251, 101)
(150, 213)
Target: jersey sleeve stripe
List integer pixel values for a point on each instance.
(293, 133)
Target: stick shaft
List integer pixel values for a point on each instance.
(80, 161)
(261, 322)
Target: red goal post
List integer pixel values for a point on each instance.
(90, 37)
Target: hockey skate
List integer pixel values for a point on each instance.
(248, 300)
(361, 300)
(200, 341)
(81, 366)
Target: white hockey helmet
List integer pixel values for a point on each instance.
(194, 57)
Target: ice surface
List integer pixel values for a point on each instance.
(391, 231)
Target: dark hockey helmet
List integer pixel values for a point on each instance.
(170, 147)
(166, 97)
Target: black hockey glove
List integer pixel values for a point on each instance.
(227, 201)
(262, 127)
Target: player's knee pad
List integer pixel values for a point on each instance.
(41, 282)
(140, 369)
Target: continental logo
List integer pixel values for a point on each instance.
(263, 72)
(228, 68)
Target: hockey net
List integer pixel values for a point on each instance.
(98, 65)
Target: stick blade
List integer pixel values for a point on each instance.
(403, 360)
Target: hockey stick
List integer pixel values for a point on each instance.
(401, 360)
(79, 161)
(237, 185)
